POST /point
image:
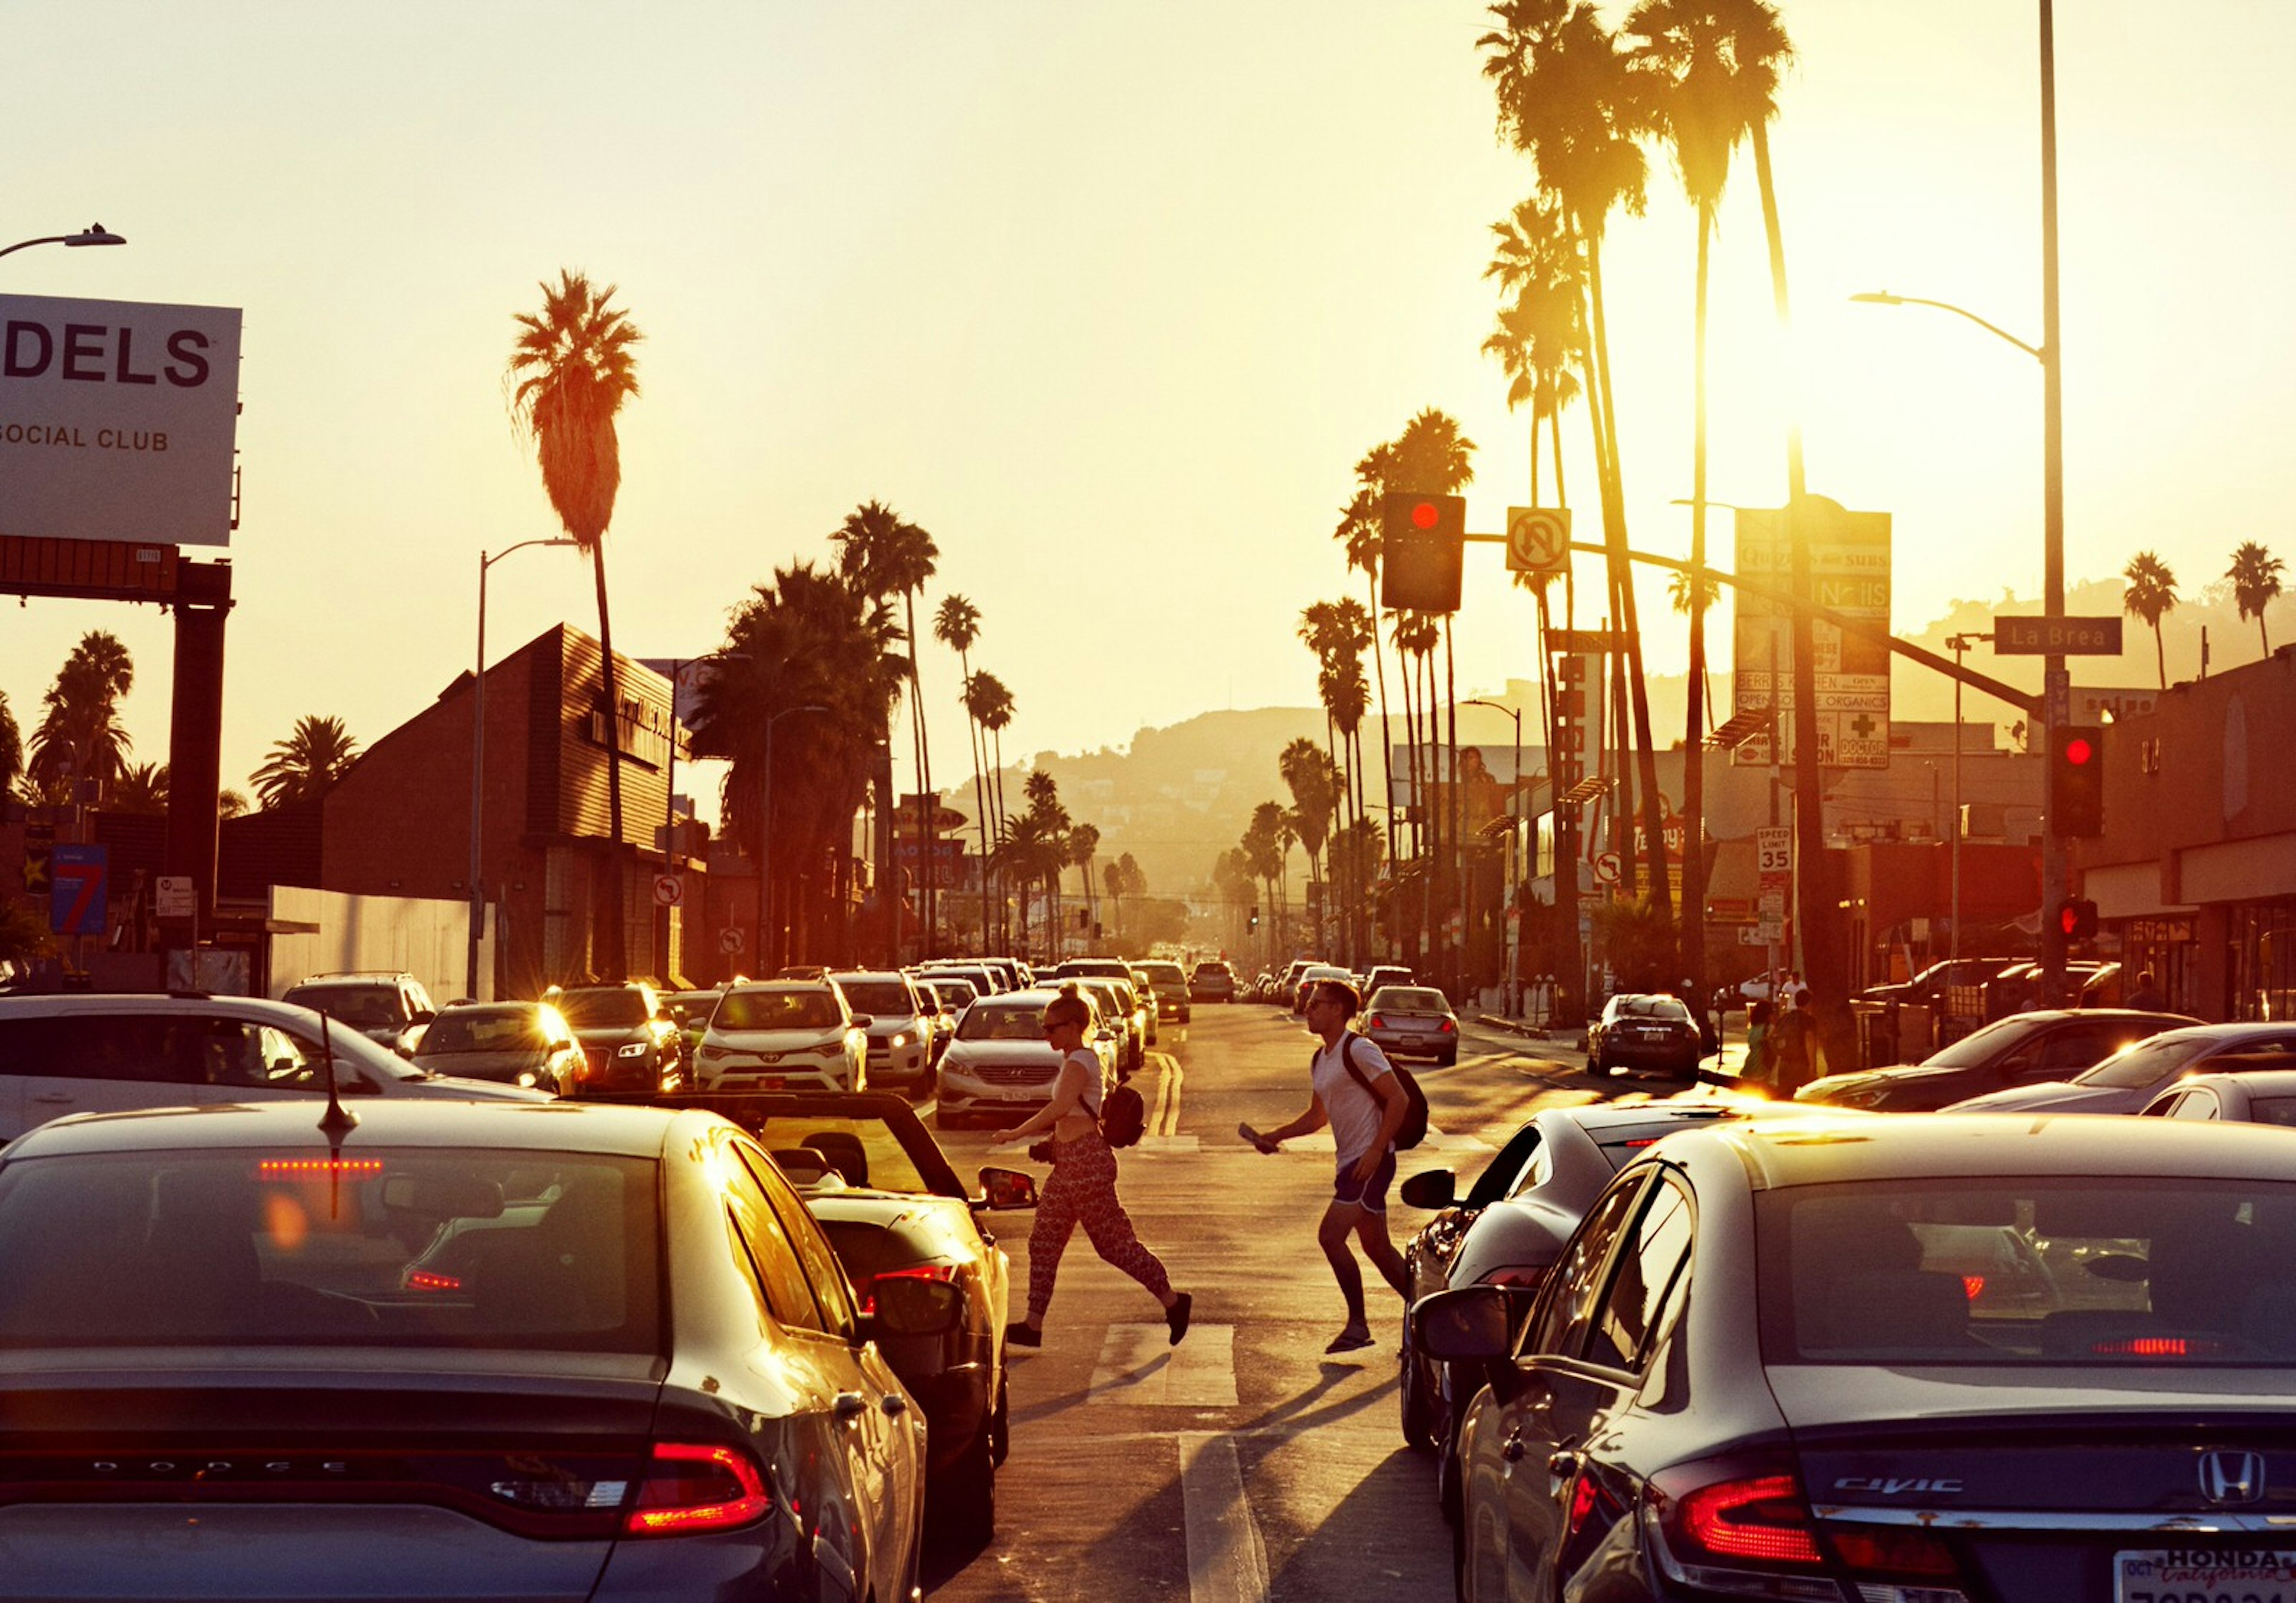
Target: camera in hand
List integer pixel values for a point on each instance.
(1042, 1151)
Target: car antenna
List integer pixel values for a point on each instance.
(338, 1121)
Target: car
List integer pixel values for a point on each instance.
(2017, 1050)
(441, 1349)
(1287, 983)
(1508, 1229)
(1212, 982)
(1381, 975)
(100, 1053)
(900, 1040)
(1167, 985)
(1645, 1031)
(1773, 1362)
(895, 1209)
(692, 1010)
(984, 980)
(1000, 1067)
(783, 1034)
(386, 1006)
(628, 1033)
(1315, 974)
(1078, 967)
(1931, 984)
(1412, 1021)
(1115, 1009)
(2253, 1088)
(515, 1043)
(944, 999)
(2131, 1078)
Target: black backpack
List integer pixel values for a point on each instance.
(1123, 1117)
(1414, 1129)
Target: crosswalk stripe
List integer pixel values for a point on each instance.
(1139, 1368)
(1227, 1561)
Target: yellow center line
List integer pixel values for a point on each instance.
(1164, 1117)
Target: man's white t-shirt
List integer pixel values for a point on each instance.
(1355, 1111)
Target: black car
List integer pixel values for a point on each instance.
(1644, 1032)
(442, 1350)
(2025, 1049)
(629, 1036)
(1165, 982)
(515, 1043)
(896, 1213)
(1778, 1360)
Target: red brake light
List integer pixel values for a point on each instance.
(288, 1168)
(867, 1290)
(2157, 1346)
(1973, 1286)
(692, 1487)
(1378, 1023)
(425, 1279)
(1446, 1027)
(1895, 1552)
(1734, 1519)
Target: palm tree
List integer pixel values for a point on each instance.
(305, 764)
(230, 804)
(2151, 596)
(1360, 533)
(956, 625)
(1315, 787)
(142, 790)
(2255, 574)
(990, 703)
(12, 746)
(1265, 844)
(570, 369)
(885, 555)
(1084, 846)
(80, 735)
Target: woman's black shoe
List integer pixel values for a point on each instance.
(1176, 1317)
(1020, 1333)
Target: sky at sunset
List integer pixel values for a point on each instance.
(1109, 298)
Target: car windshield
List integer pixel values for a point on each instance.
(807, 1010)
(486, 1030)
(1163, 973)
(2087, 1271)
(1410, 999)
(951, 992)
(984, 1022)
(366, 1007)
(878, 998)
(1979, 1046)
(860, 1151)
(376, 1248)
(607, 1008)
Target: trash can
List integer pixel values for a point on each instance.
(1877, 1033)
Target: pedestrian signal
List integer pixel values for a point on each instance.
(2077, 918)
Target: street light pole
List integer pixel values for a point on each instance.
(764, 832)
(478, 911)
(95, 233)
(1958, 644)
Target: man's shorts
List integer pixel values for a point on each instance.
(1371, 1196)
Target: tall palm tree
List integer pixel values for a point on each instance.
(994, 706)
(142, 790)
(2151, 596)
(12, 746)
(80, 735)
(572, 368)
(1360, 533)
(956, 625)
(305, 764)
(886, 555)
(2255, 574)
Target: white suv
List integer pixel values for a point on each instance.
(785, 1034)
(100, 1053)
(900, 1026)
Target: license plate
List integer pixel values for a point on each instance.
(2202, 1574)
(769, 1082)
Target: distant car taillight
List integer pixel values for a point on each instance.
(1378, 1023)
(1447, 1027)
(693, 1487)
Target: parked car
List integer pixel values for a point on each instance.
(1116, 1009)
(97, 1052)
(1000, 1067)
(1287, 983)
(1769, 1366)
(2131, 1078)
(1931, 984)
(1077, 968)
(794, 1034)
(1412, 1021)
(2247, 1088)
(387, 1007)
(1508, 1229)
(895, 1210)
(633, 1044)
(2020, 1050)
(513, 1042)
(608, 1355)
(1213, 982)
(1167, 985)
(1645, 1031)
(900, 1044)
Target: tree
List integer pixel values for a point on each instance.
(230, 804)
(1084, 846)
(956, 625)
(885, 555)
(2255, 574)
(572, 368)
(80, 735)
(1265, 844)
(991, 706)
(306, 765)
(12, 746)
(142, 790)
(2151, 596)
(1314, 781)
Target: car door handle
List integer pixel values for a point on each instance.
(1563, 1463)
(894, 1404)
(1511, 1448)
(53, 1096)
(848, 1407)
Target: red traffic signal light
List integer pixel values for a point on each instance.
(2077, 780)
(1421, 538)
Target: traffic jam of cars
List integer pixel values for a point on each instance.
(734, 1325)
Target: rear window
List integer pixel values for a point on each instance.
(878, 998)
(776, 1010)
(368, 1007)
(1651, 1007)
(2080, 1271)
(1411, 999)
(426, 1248)
(1163, 973)
(486, 1030)
(601, 1009)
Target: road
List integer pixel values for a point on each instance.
(1243, 1464)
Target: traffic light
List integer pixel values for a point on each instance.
(2077, 780)
(1421, 540)
(2077, 917)
(1254, 923)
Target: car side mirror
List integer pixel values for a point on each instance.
(1470, 1324)
(862, 1021)
(1006, 1190)
(912, 1307)
(1433, 1189)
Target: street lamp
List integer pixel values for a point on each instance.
(477, 757)
(95, 233)
(765, 828)
(1514, 790)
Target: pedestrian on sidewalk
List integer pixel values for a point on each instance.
(1353, 1089)
(1082, 1190)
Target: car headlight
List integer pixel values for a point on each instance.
(636, 1049)
(526, 1077)
(898, 1040)
(715, 1054)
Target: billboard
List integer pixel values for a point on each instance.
(118, 420)
(1849, 575)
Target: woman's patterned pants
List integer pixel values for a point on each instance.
(1082, 1191)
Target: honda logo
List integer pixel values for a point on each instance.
(2232, 1477)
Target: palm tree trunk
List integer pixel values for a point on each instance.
(1004, 931)
(928, 802)
(1693, 759)
(1386, 736)
(2160, 653)
(1455, 808)
(615, 954)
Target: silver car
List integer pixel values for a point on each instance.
(1412, 1021)
(2137, 1073)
